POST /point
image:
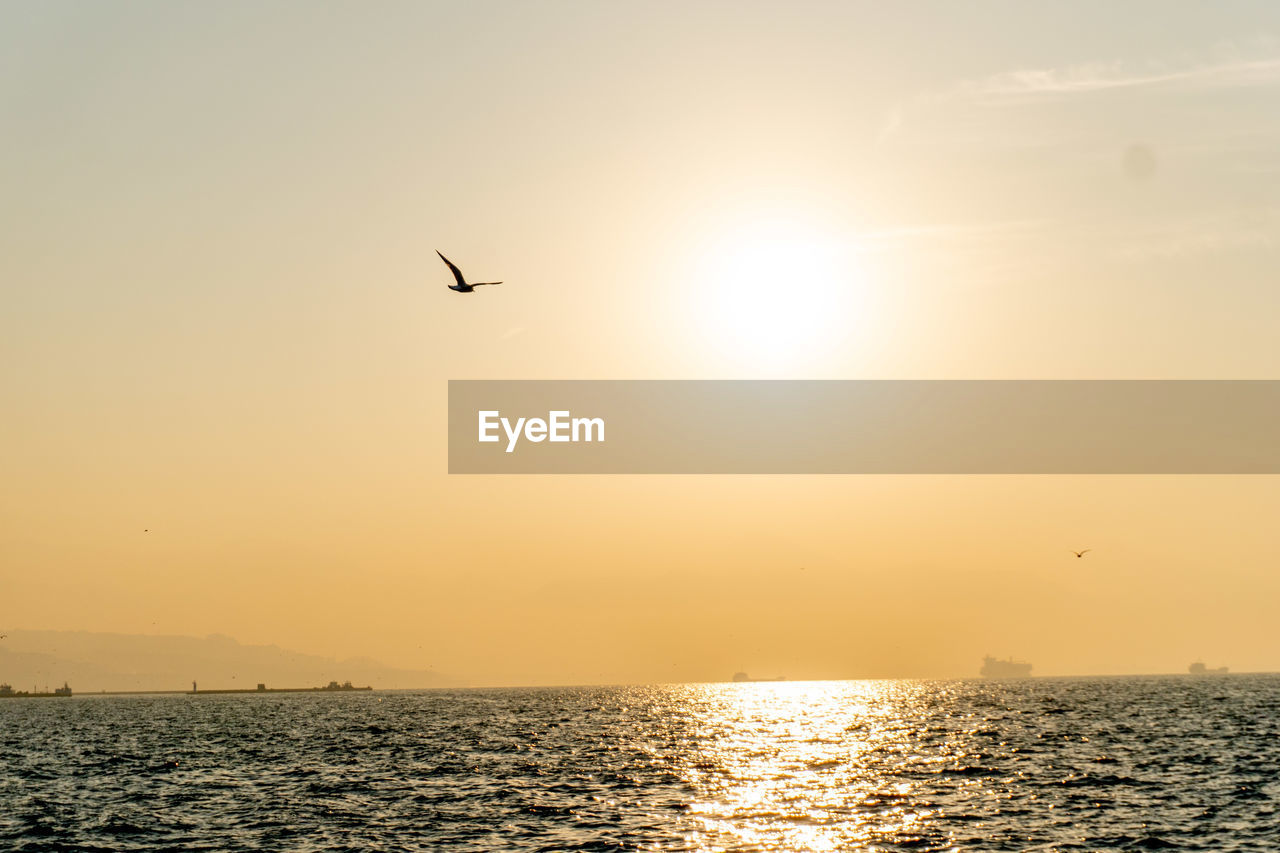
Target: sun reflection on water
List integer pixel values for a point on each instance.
(814, 766)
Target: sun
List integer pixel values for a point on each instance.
(777, 296)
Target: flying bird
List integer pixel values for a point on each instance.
(1081, 553)
(462, 286)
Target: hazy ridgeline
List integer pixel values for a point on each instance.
(92, 662)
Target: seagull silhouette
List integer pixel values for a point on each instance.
(1082, 553)
(462, 286)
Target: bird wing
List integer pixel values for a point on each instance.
(483, 283)
(457, 273)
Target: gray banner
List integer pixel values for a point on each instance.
(864, 427)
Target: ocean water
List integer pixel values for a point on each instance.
(1162, 763)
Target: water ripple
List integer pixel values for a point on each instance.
(1051, 765)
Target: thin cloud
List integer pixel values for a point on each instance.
(1206, 234)
(1230, 65)
(950, 231)
(889, 127)
(1111, 76)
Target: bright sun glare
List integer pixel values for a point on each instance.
(777, 297)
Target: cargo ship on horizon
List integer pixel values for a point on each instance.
(742, 677)
(1008, 668)
(1198, 668)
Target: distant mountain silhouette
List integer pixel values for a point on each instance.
(92, 662)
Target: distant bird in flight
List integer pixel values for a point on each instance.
(462, 286)
(1082, 553)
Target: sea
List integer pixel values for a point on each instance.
(1134, 763)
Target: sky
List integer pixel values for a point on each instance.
(225, 337)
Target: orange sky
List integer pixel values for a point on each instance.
(222, 321)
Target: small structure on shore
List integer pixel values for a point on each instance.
(7, 692)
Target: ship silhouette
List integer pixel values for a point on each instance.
(1008, 668)
(1198, 668)
(740, 677)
